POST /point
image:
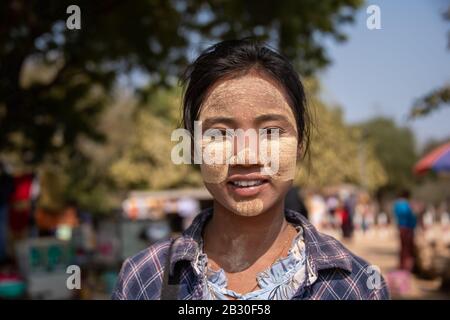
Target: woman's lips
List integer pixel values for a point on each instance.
(246, 188)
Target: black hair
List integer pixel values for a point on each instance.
(237, 57)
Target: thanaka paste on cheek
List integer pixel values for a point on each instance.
(214, 173)
(285, 158)
(212, 170)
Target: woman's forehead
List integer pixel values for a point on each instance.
(249, 95)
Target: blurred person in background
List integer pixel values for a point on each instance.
(343, 216)
(383, 224)
(22, 205)
(318, 210)
(6, 189)
(350, 205)
(188, 208)
(332, 203)
(406, 221)
(364, 213)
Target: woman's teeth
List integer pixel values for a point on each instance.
(247, 183)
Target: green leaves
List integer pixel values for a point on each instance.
(431, 102)
(338, 152)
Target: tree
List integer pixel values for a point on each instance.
(338, 153)
(119, 39)
(431, 102)
(435, 99)
(395, 147)
(145, 162)
(136, 154)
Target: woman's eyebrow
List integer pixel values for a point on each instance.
(208, 122)
(271, 117)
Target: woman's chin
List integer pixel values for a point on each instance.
(246, 208)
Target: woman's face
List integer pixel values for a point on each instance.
(253, 101)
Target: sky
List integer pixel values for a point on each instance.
(382, 72)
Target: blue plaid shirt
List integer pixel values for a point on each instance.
(339, 274)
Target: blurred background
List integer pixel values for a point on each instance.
(87, 107)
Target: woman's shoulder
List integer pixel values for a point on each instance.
(345, 275)
(141, 275)
(151, 254)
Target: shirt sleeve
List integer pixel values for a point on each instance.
(380, 293)
(124, 277)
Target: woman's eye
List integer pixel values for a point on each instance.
(215, 132)
(272, 132)
(225, 132)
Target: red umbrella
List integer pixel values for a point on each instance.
(437, 160)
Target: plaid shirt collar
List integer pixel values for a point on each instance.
(322, 252)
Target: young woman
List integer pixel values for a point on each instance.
(248, 246)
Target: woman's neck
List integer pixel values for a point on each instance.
(236, 242)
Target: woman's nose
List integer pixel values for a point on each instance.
(245, 150)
